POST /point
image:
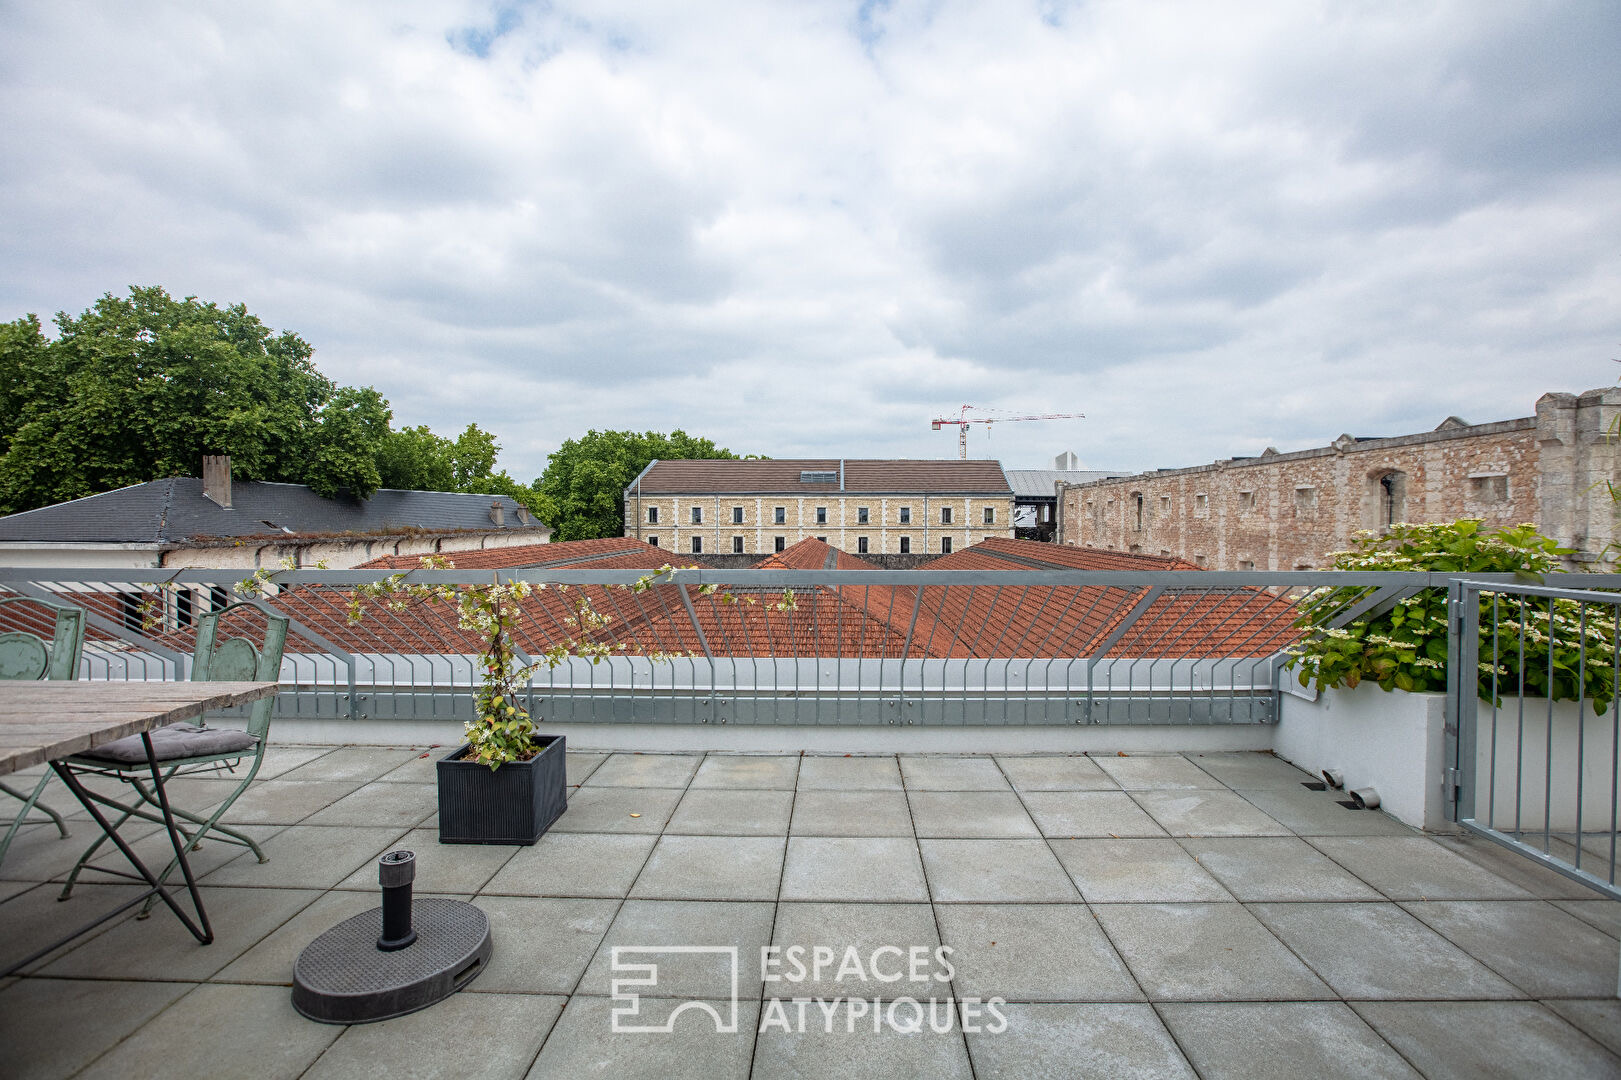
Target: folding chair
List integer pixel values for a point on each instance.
(24, 655)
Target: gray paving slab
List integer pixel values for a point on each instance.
(575, 864)
(279, 759)
(732, 812)
(1380, 951)
(836, 929)
(1207, 813)
(422, 768)
(1282, 1041)
(1111, 871)
(270, 959)
(1598, 1018)
(1604, 914)
(849, 773)
(35, 918)
(1252, 769)
(582, 1043)
(43, 854)
(643, 925)
(1077, 1042)
(1544, 951)
(712, 868)
(970, 814)
(1319, 813)
(875, 869)
(361, 764)
(579, 766)
(220, 1030)
(542, 944)
(618, 809)
(156, 848)
(1514, 867)
(37, 1014)
(851, 813)
(495, 1036)
(946, 772)
(1206, 952)
(645, 771)
(1153, 772)
(1276, 868)
(1089, 813)
(440, 868)
(286, 802)
(1055, 772)
(810, 1051)
(1466, 1040)
(1033, 952)
(995, 871)
(309, 856)
(775, 772)
(403, 805)
(1416, 868)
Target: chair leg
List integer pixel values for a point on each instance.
(212, 825)
(29, 802)
(89, 852)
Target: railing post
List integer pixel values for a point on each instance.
(1463, 663)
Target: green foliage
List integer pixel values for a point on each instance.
(585, 480)
(1406, 648)
(415, 459)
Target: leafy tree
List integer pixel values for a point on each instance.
(584, 482)
(415, 459)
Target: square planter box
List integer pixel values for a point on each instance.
(514, 804)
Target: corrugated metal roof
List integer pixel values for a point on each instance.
(1038, 483)
(781, 477)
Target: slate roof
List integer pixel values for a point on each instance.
(1038, 483)
(175, 511)
(781, 477)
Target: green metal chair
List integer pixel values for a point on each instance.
(187, 750)
(24, 655)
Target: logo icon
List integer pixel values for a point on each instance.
(628, 1003)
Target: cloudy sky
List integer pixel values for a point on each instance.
(806, 228)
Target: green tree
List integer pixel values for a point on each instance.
(584, 482)
(415, 459)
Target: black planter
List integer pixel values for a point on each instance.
(514, 804)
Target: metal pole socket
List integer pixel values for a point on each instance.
(395, 871)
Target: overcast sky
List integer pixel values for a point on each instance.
(804, 229)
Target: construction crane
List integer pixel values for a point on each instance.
(961, 422)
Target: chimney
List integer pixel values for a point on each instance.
(217, 479)
(498, 514)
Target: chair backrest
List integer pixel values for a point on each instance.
(24, 655)
(237, 659)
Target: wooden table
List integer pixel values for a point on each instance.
(50, 721)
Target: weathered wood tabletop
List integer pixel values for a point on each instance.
(42, 721)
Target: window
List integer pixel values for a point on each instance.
(1165, 553)
(821, 539)
(779, 516)
(818, 476)
(218, 597)
(1165, 504)
(1489, 488)
(1305, 501)
(1137, 499)
(652, 515)
(129, 607)
(1389, 499)
(1304, 566)
(945, 545)
(737, 515)
(697, 545)
(861, 515)
(1246, 564)
(990, 515)
(906, 515)
(821, 515)
(737, 545)
(906, 545)
(778, 543)
(697, 515)
(861, 545)
(183, 607)
(1246, 500)
(1135, 549)
(1201, 505)
(1198, 560)
(945, 515)
(653, 540)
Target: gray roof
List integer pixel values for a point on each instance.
(1038, 483)
(174, 511)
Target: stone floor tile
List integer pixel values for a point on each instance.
(645, 771)
(286, 802)
(970, 814)
(33, 1013)
(1416, 868)
(618, 810)
(1276, 868)
(1206, 813)
(422, 768)
(578, 766)
(1319, 813)
(1033, 952)
(440, 868)
(876, 869)
(1544, 951)
(732, 812)
(1151, 772)
(1136, 871)
(220, 1030)
(1379, 951)
(995, 871)
(1604, 914)
(948, 772)
(775, 772)
(1205, 952)
(853, 1049)
(849, 773)
(542, 944)
(309, 856)
(1246, 769)
(841, 927)
(574, 864)
(851, 813)
(35, 918)
(1515, 868)
(1599, 1018)
(495, 1035)
(1077, 1042)
(643, 925)
(1282, 1041)
(1089, 813)
(361, 764)
(40, 853)
(403, 805)
(270, 960)
(712, 868)
(279, 759)
(1049, 772)
(1466, 1040)
(582, 1043)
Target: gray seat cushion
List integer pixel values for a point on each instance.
(172, 743)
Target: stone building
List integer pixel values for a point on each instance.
(859, 506)
(1288, 511)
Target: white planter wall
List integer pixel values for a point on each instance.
(1574, 726)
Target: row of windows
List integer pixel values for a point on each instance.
(779, 515)
(781, 542)
(1484, 488)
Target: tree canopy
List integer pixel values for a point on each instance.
(584, 482)
(418, 460)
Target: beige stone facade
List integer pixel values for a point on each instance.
(1289, 511)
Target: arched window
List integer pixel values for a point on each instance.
(1387, 498)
